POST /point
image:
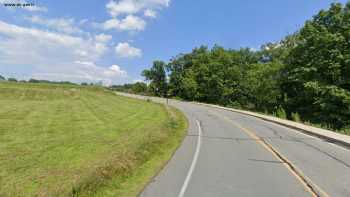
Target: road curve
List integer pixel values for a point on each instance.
(230, 154)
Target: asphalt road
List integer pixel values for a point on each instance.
(230, 154)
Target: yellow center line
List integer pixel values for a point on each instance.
(304, 180)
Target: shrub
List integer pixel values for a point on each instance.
(296, 117)
(12, 79)
(281, 113)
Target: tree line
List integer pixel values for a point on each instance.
(304, 77)
(136, 88)
(14, 80)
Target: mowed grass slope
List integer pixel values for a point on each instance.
(63, 140)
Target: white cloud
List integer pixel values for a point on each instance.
(132, 23)
(150, 13)
(100, 73)
(86, 73)
(126, 51)
(32, 8)
(83, 21)
(122, 7)
(31, 42)
(55, 56)
(112, 71)
(115, 70)
(131, 10)
(129, 23)
(127, 7)
(60, 24)
(110, 24)
(103, 38)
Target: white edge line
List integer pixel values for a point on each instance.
(194, 161)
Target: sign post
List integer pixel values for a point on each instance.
(167, 98)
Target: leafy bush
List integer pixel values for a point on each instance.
(296, 117)
(12, 79)
(281, 113)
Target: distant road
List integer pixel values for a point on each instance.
(230, 154)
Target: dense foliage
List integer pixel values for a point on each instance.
(157, 76)
(306, 76)
(12, 79)
(136, 88)
(317, 73)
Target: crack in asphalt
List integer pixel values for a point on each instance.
(293, 169)
(299, 140)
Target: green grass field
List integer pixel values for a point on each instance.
(64, 140)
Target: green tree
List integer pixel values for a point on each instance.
(139, 87)
(317, 76)
(2, 78)
(34, 81)
(261, 84)
(157, 77)
(183, 75)
(305, 76)
(11, 79)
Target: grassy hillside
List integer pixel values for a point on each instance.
(68, 140)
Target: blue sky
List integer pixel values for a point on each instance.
(113, 41)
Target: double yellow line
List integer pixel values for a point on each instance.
(312, 188)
